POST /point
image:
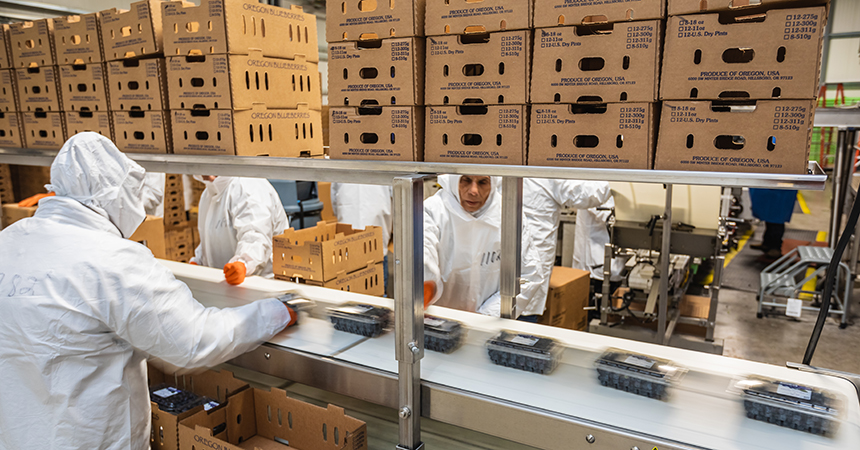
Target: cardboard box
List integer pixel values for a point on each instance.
(240, 81)
(80, 121)
(37, 89)
(31, 43)
(257, 419)
(181, 254)
(11, 133)
(237, 26)
(213, 384)
(778, 58)
(7, 192)
(552, 13)
(678, 7)
(132, 33)
(695, 306)
(29, 180)
(490, 69)
(617, 65)
(142, 131)
(382, 72)
(708, 136)
(77, 39)
(13, 213)
(83, 87)
(9, 97)
(567, 299)
(384, 133)
(44, 130)
(354, 21)
(179, 237)
(494, 134)
(606, 136)
(5, 58)
(369, 281)
(326, 251)
(137, 84)
(253, 132)
(151, 234)
(481, 16)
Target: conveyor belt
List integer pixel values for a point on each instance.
(465, 388)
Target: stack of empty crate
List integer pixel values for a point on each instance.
(595, 83)
(178, 233)
(11, 134)
(133, 49)
(36, 77)
(739, 86)
(243, 79)
(477, 79)
(7, 194)
(376, 80)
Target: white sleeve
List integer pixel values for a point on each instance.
(252, 221)
(581, 194)
(432, 271)
(536, 285)
(335, 187)
(152, 193)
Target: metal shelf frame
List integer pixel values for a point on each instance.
(407, 180)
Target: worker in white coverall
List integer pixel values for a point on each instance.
(361, 205)
(152, 194)
(543, 200)
(462, 248)
(83, 307)
(237, 219)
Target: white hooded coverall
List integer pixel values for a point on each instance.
(361, 205)
(462, 252)
(237, 219)
(83, 307)
(589, 244)
(153, 194)
(543, 200)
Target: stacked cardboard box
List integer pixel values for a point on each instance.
(332, 255)
(133, 49)
(11, 133)
(36, 80)
(177, 228)
(82, 75)
(376, 80)
(595, 83)
(739, 87)
(243, 79)
(7, 193)
(477, 92)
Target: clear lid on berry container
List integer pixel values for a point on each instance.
(637, 365)
(361, 313)
(527, 345)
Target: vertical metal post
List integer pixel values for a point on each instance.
(606, 285)
(715, 297)
(512, 227)
(837, 202)
(409, 304)
(664, 268)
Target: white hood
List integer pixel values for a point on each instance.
(451, 189)
(91, 170)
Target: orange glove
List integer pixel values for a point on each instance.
(193, 263)
(429, 292)
(32, 201)
(234, 272)
(294, 316)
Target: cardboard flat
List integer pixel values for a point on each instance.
(80, 121)
(607, 136)
(552, 13)
(494, 134)
(569, 68)
(379, 19)
(7, 192)
(8, 91)
(137, 85)
(11, 133)
(492, 69)
(384, 133)
(773, 138)
(240, 81)
(236, 27)
(151, 234)
(369, 281)
(132, 33)
(391, 74)
(779, 58)
(142, 131)
(476, 16)
(326, 251)
(31, 44)
(83, 88)
(5, 57)
(254, 418)
(252, 132)
(37, 89)
(678, 7)
(13, 213)
(567, 299)
(77, 39)
(43, 130)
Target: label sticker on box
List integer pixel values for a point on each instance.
(209, 405)
(429, 322)
(794, 390)
(355, 309)
(639, 361)
(524, 340)
(167, 392)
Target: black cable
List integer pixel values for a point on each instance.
(830, 280)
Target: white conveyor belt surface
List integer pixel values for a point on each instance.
(700, 411)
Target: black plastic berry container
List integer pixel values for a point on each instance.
(361, 319)
(636, 373)
(442, 335)
(790, 405)
(173, 400)
(525, 352)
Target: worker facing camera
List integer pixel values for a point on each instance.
(237, 219)
(474, 191)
